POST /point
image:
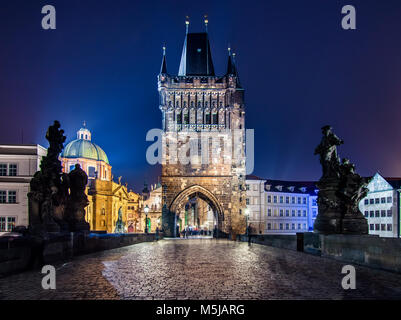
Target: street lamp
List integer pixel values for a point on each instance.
(246, 216)
(146, 221)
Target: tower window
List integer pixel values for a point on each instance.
(215, 121)
(208, 118)
(179, 118)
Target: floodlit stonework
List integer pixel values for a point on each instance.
(195, 103)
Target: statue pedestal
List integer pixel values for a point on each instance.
(329, 219)
(80, 226)
(355, 224)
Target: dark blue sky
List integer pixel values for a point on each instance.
(299, 68)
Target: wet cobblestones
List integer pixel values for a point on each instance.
(202, 269)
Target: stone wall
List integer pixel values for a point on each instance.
(19, 254)
(367, 250)
(273, 240)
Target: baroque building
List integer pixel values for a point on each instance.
(109, 201)
(203, 119)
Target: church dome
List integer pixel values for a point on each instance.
(83, 147)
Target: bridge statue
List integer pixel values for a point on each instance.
(56, 199)
(340, 190)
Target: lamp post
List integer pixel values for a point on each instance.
(246, 216)
(146, 219)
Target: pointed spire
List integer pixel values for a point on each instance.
(186, 24)
(230, 64)
(163, 69)
(236, 70)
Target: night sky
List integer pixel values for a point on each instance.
(299, 68)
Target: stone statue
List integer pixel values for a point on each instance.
(78, 179)
(47, 195)
(120, 226)
(56, 200)
(340, 191)
(327, 149)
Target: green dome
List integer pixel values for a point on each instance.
(81, 148)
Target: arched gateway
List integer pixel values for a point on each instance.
(203, 141)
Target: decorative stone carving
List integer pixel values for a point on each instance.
(56, 200)
(340, 190)
(77, 200)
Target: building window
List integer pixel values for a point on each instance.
(103, 211)
(383, 213)
(304, 200)
(389, 213)
(293, 200)
(389, 199)
(269, 226)
(269, 199)
(12, 196)
(3, 196)
(12, 170)
(366, 201)
(372, 214)
(275, 199)
(377, 227)
(92, 172)
(287, 226)
(10, 223)
(179, 118)
(287, 213)
(269, 212)
(314, 202)
(293, 226)
(281, 212)
(287, 199)
(186, 117)
(389, 227)
(377, 201)
(293, 213)
(3, 169)
(304, 212)
(383, 200)
(3, 224)
(247, 201)
(299, 213)
(314, 213)
(366, 214)
(377, 213)
(247, 187)
(299, 226)
(371, 201)
(383, 227)
(299, 200)
(281, 226)
(215, 120)
(372, 227)
(281, 199)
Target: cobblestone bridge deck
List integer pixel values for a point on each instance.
(201, 269)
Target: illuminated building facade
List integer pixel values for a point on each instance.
(197, 102)
(108, 200)
(382, 206)
(18, 164)
(281, 207)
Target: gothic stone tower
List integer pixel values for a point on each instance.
(196, 104)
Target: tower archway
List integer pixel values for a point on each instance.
(177, 207)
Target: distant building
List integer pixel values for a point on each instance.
(382, 206)
(18, 164)
(153, 200)
(106, 198)
(281, 207)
